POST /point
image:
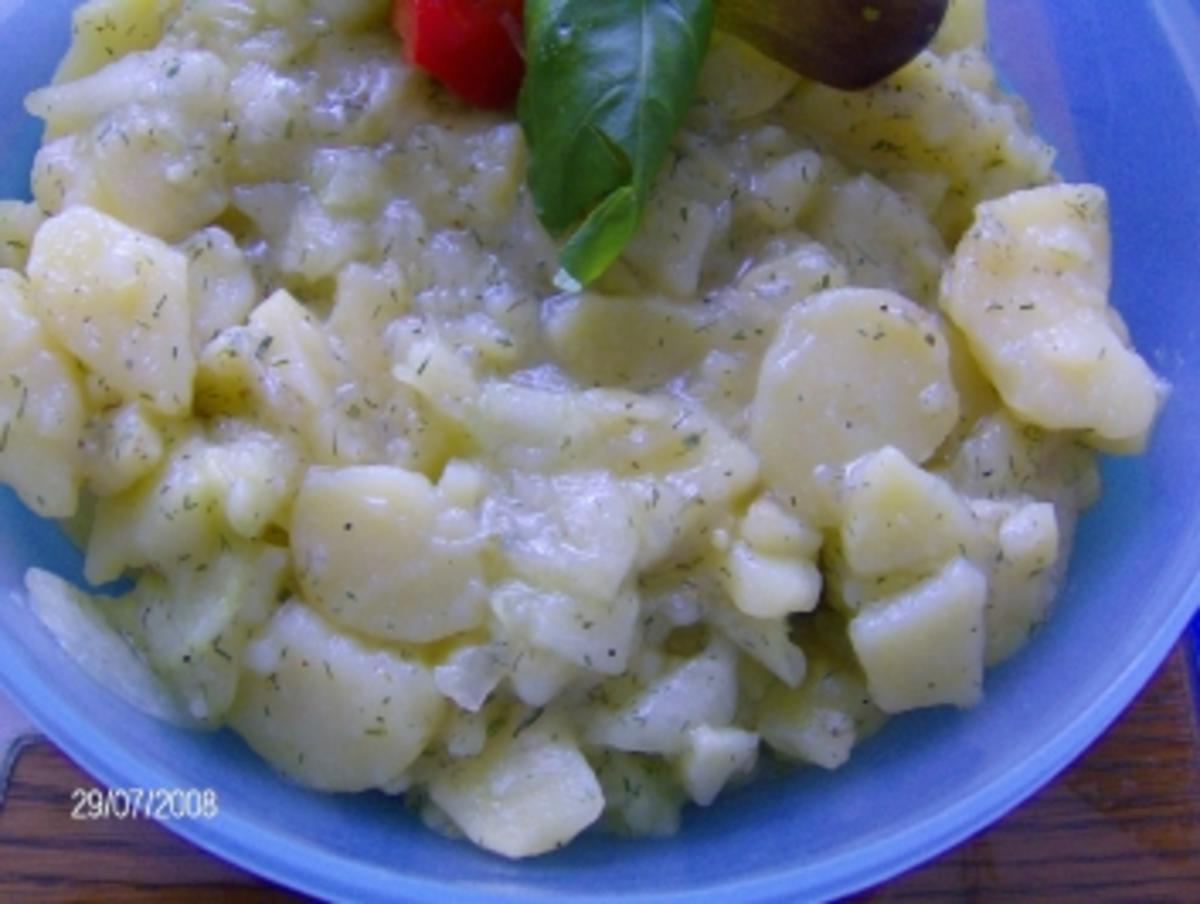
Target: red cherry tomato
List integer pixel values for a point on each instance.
(472, 46)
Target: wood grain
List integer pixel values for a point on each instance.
(1123, 824)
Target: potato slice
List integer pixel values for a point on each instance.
(850, 371)
(820, 721)
(929, 119)
(192, 626)
(1023, 574)
(377, 550)
(221, 285)
(202, 489)
(596, 633)
(1003, 459)
(576, 532)
(641, 794)
(712, 756)
(120, 446)
(763, 585)
(883, 239)
(702, 690)
(1028, 285)
(327, 710)
(78, 622)
(901, 518)
(531, 792)
(118, 299)
(610, 340)
(737, 82)
(41, 408)
(924, 647)
(767, 640)
(105, 29)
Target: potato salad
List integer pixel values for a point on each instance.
(286, 344)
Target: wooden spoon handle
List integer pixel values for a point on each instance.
(848, 44)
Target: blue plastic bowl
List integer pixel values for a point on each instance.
(1119, 93)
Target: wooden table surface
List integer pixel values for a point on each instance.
(1122, 824)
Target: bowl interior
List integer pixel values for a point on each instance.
(929, 779)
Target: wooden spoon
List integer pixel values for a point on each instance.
(848, 44)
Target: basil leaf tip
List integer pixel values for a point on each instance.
(607, 86)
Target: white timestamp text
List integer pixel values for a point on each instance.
(163, 804)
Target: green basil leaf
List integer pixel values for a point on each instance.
(601, 237)
(607, 85)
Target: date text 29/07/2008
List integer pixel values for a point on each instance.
(162, 804)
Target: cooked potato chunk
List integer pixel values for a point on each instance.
(769, 289)
(881, 238)
(205, 488)
(737, 82)
(1003, 459)
(537, 675)
(529, 793)
(767, 586)
(470, 674)
(367, 302)
(597, 633)
(19, 220)
(193, 84)
(712, 756)
(104, 29)
(1028, 285)
(377, 550)
(769, 528)
(641, 794)
(925, 646)
(820, 721)
(766, 640)
(1024, 572)
(329, 711)
(120, 446)
(41, 408)
(671, 244)
(928, 119)
(220, 285)
(702, 690)
(142, 139)
(809, 412)
(608, 340)
(193, 625)
(901, 518)
(577, 533)
(78, 622)
(118, 299)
